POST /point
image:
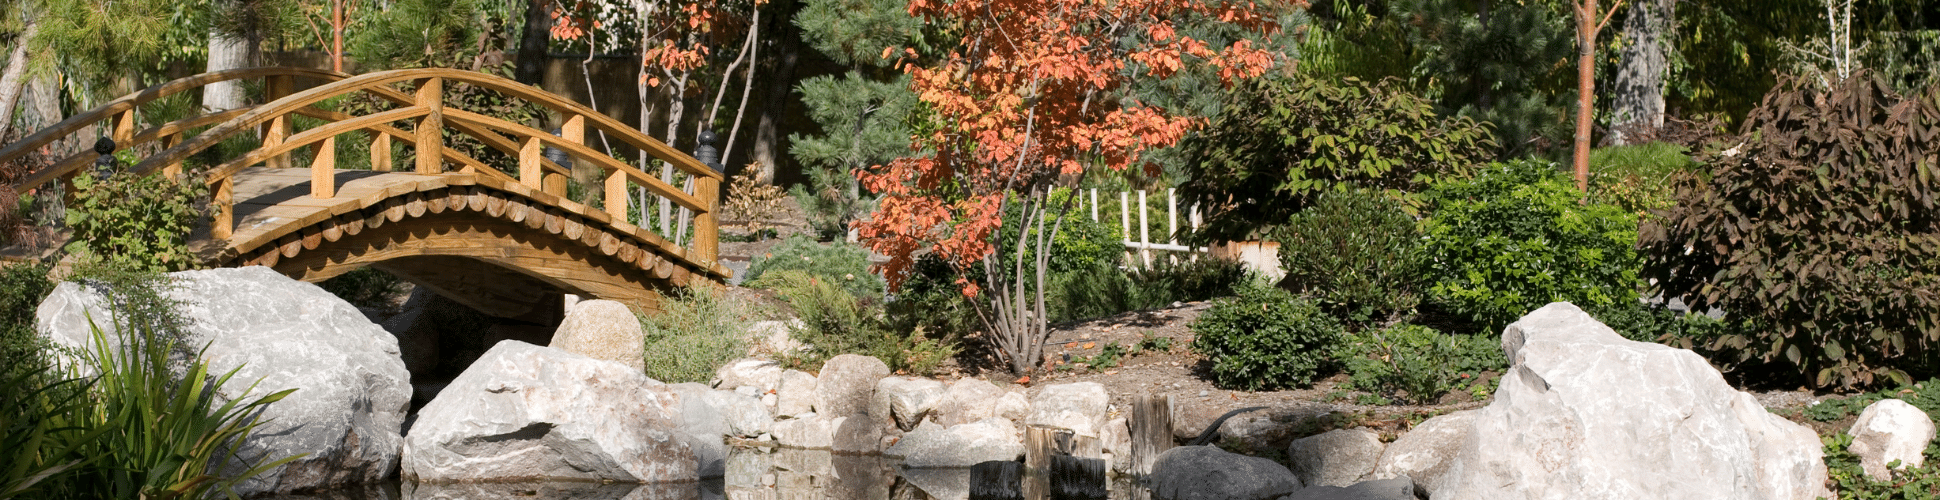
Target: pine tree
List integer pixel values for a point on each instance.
(863, 115)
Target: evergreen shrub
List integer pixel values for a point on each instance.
(1356, 253)
(1266, 338)
(842, 263)
(695, 332)
(1416, 364)
(1520, 236)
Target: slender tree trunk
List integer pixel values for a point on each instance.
(226, 51)
(337, 35)
(14, 79)
(787, 39)
(1587, 27)
(1638, 107)
(533, 43)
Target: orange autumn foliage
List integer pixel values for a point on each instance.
(1033, 92)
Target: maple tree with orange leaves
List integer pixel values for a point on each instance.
(1030, 99)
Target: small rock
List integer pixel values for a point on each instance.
(847, 384)
(1117, 441)
(764, 375)
(813, 433)
(774, 336)
(1890, 430)
(1208, 473)
(857, 435)
(796, 395)
(932, 445)
(1335, 458)
(1079, 407)
(1400, 488)
(905, 400)
(603, 329)
(1204, 393)
(770, 400)
(966, 401)
(748, 390)
(1013, 406)
(1423, 453)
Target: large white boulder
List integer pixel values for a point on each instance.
(524, 412)
(809, 432)
(1585, 414)
(932, 445)
(603, 329)
(1890, 430)
(352, 391)
(1079, 407)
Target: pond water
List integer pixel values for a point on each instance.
(752, 474)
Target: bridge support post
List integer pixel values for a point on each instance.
(323, 171)
(380, 152)
(573, 131)
(531, 171)
(224, 203)
(124, 132)
(277, 87)
(431, 137)
(174, 169)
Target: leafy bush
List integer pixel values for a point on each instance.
(1266, 338)
(1637, 177)
(1821, 224)
(1518, 237)
(365, 287)
(1416, 364)
(1080, 243)
(840, 262)
(695, 332)
(1356, 253)
(835, 322)
(1104, 290)
(1279, 141)
(136, 222)
(930, 299)
(22, 287)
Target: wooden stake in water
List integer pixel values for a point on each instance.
(1151, 427)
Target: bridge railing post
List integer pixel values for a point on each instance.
(277, 87)
(573, 130)
(223, 225)
(706, 222)
(431, 136)
(323, 171)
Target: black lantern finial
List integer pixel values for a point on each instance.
(105, 165)
(706, 153)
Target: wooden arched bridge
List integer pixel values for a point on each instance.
(433, 224)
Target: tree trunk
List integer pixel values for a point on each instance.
(533, 43)
(1638, 107)
(14, 79)
(1587, 27)
(787, 39)
(226, 51)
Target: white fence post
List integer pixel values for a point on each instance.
(1144, 231)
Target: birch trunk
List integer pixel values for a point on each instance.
(14, 79)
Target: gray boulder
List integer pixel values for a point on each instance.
(856, 435)
(1423, 453)
(1335, 458)
(1117, 442)
(967, 400)
(1400, 488)
(1890, 430)
(847, 384)
(703, 428)
(810, 432)
(932, 445)
(603, 329)
(553, 490)
(762, 375)
(524, 412)
(1079, 407)
(905, 401)
(796, 393)
(1209, 473)
(1584, 413)
(352, 390)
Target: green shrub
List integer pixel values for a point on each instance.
(22, 287)
(695, 332)
(1819, 223)
(1266, 338)
(136, 222)
(1277, 142)
(1416, 364)
(930, 299)
(1357, 254)
(365, 287)
(843, 263)
(1518, 237)
(834, 322)
(1105, 290)
(1080, 243)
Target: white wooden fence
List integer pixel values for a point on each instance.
(1144, 245)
